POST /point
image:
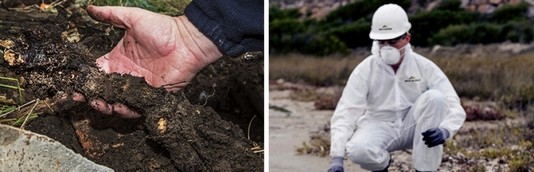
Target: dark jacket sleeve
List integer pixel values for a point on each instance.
(235, 26)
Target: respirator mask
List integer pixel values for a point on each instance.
(390, 55)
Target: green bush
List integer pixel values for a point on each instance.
(286, 26)
(426, 24)
(348, 27)
(323, 44)
(473, 33)
(484, 33)
(354, 34)
(510, 12)
(517, 31)
(284, 34)
(277, 13)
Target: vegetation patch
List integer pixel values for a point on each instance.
(347, 28)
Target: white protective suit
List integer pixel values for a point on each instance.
(390, 111)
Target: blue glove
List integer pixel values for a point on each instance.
(435, 136)
(337, 164)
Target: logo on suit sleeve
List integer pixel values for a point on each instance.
(412, 79)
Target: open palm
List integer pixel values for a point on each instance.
(167, 51)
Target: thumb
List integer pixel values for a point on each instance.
(121, 17)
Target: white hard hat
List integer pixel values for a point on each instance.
(389, 21)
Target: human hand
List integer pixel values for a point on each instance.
(435, 136)
(103, 107)
(166, 51)
(337, 165)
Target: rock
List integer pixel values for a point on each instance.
(27, 151)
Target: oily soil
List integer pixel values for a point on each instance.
(214, 124)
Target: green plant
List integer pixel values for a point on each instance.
(20, 119)
(510, 12)
(14, 87)
(519, 165)
(517, 31)
(324, 44)
(426, 24)
(7, 107)
(353, 34)
(473, 34)
(276, 13)
(286, 34)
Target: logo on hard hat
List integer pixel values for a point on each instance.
(385, 27)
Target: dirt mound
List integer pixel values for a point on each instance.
(199, 129)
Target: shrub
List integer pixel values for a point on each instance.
(354, 34)
(348, 27)
(517, 31)
(473, 33)
(425, 24)
(284, 34)
(323, 44)
(510, 12)
(277, 13)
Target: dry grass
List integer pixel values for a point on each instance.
(507, 79)
(322, 71)
(489, 77)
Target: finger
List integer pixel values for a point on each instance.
(102, 106)
(78, 97)
(121, 17)
(107, 15)
(429, 132)
(426, 133)
(124, 112)
(434, 136)
(171, 87)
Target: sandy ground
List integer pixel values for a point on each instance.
(289, 131)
